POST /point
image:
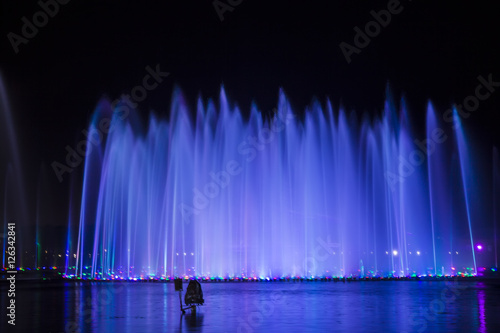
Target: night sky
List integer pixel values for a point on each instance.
(92, 49)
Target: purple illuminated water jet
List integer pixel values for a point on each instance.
(212, 194)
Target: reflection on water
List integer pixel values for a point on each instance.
(481, 299)
(253, 307)
(192, 320)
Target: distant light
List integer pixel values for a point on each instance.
(394, 252)
(479, 247)
(386, 252)
(418, 253)
(449, 252)
(410, 252)
(192, 253)
(184, 253)
(494, 269)
(456, 252)
(453, 268)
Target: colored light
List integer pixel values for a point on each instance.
(479, 247)
(171, 146)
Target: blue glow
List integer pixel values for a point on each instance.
(213, 194)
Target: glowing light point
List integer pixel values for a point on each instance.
(143, 184)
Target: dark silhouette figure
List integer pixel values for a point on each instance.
(194, 295)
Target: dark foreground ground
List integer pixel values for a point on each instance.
(390, 306)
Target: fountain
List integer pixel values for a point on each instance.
(13, 203)
(214, 194)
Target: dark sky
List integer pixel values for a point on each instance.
(90, 49)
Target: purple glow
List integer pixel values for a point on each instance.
(221, 196)
(479, 247)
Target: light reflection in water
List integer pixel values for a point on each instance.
(481, 298)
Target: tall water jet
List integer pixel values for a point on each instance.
(211, 193)
(464, 170)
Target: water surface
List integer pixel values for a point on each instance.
(259, 306)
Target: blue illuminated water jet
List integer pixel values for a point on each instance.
(211, 193)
